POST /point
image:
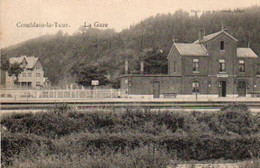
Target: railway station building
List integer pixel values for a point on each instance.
(213, 66)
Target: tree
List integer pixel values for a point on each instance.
(58, 50)
(85, 74)
(155, 62)
(5, 65)
(15, 69)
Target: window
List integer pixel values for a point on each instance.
(38, 84)
(24, 74)
(222, 45)
(37, 67)
(241, 65)
(24, 63)
(195, 66)
(38, 75)
(222, 66)
(195, 87)
(29, 74)
(174, 66)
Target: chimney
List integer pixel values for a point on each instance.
(173, 39)
(201, 33)
(126, 66)
(142, 67)
(223, 29)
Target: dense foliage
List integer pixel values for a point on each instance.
(61, 53)
(86, 73)
(128, 138)
(15, 69)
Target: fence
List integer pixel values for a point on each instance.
(16, 94)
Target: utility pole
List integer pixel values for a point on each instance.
(140, 52)
(195, 12)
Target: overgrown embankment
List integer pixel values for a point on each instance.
(128, 138)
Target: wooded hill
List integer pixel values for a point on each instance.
(64, 55)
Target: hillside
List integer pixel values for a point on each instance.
(62, 54)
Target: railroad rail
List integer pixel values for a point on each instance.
(119, 103)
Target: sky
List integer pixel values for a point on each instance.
(116, 14)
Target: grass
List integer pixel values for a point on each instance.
(128, 138)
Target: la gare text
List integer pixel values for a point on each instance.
(95, 24)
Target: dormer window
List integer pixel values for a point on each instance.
(222, 45)
(24, 63)
(37, 67)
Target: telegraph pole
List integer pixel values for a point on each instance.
(195, 12)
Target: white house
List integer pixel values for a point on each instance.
(32, 75)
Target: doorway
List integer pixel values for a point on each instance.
(222, 89)
(156, 89)
(241, 88)
(29, 84)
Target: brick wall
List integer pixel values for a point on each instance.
(143, 85)
(228, 54)
(180, 72)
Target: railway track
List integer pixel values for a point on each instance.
(113, 104)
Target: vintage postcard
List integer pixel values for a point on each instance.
(130, 83)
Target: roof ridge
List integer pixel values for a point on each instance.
(204, 48)
(213, 35)
(31, 60)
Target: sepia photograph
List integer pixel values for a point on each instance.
(130, 83)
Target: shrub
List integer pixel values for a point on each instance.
(238, 119)
(145, 156)
(13, 144)
(97, 137)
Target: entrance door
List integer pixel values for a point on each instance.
(156, 89)
(29, 84)
(241, 88)
(222, 88)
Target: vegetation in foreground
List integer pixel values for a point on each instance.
(129, 138)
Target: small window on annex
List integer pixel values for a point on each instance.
(242, 66)
(174, 66)
(195, 66)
